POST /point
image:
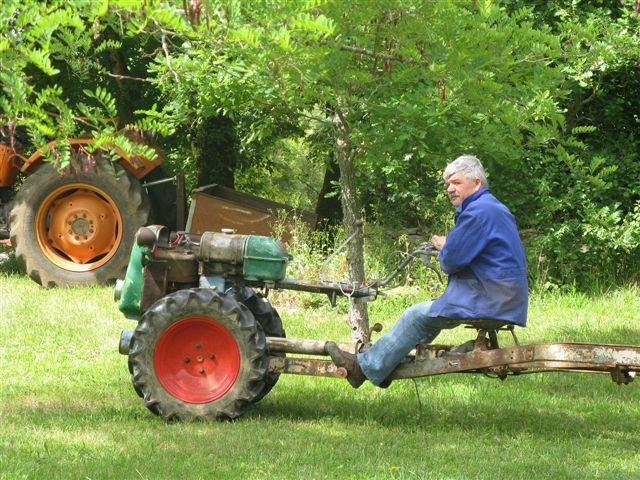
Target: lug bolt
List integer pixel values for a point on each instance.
(201, 371)
(187, 359)
(198, 346)
(212, 356)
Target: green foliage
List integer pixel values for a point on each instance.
(419, 83)
(585, 184)
(46, 89)
(543, 92)
(291, 176)
(28, 37)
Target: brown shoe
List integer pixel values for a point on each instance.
(348, 361)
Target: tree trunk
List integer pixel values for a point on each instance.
(329, 208)
(215, 148)
(358, 315)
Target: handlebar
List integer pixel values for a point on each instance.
(426, 250)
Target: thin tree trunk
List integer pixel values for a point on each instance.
(215, 148)
(358, 315)
(329, 208)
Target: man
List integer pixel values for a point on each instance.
(484, 258)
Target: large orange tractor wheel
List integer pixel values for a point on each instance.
(76, 229)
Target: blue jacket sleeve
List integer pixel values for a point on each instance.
(465, 241)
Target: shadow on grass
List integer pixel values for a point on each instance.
(555, 406)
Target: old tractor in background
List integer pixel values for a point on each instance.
(209, 345)
(78, 228)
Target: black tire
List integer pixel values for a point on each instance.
(136, 388)
(98, 191)
(165, 362)
(271, 324)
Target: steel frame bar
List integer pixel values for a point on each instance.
(561, 357)
(551, 356)
(306, 366)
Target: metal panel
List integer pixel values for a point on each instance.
(215, 207)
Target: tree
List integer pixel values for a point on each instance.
(395, 88)
(586, 181)
(402, 86)
(47, 90)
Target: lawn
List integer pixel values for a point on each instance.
(68, 410)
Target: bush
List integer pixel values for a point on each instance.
(597, 249)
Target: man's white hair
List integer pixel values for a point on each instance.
(470, 167)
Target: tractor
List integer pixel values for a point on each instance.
(78, 228)
(208, 344)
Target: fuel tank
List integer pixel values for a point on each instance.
(252, 256)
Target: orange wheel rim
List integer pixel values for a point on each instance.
(78, 227)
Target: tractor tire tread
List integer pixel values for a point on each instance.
(236, 318)
(126, 193)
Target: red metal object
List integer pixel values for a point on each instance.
(197, 360)
(137, 166)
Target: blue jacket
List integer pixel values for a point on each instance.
(485, 261)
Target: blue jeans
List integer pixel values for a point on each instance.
(414, 327)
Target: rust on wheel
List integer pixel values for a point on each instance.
(78, 227)
(197, 360)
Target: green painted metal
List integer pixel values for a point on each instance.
(131, 294)
(265, 259)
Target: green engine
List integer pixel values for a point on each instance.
(162, 262)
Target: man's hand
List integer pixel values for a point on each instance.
(438, 241)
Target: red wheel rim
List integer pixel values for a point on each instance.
(197, 360)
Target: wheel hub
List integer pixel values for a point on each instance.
(82, 226)
(197, 360)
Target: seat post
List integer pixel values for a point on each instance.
(513, 334)
(487, 338)
(493, 338)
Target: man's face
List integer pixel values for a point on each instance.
(460, 187)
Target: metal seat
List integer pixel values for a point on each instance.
(487, 330)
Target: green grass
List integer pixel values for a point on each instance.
(67, 408)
